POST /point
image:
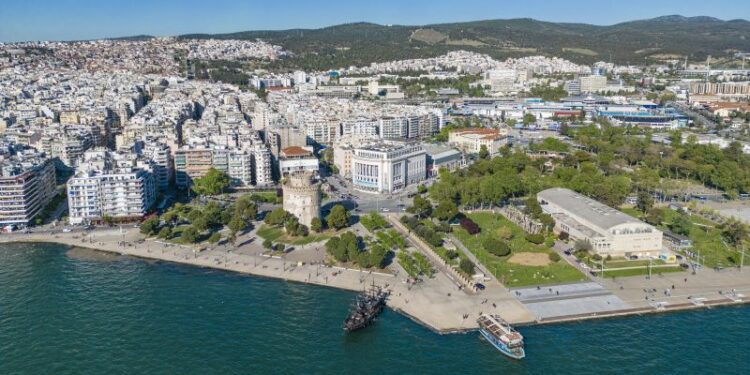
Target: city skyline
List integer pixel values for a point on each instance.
(82, 20)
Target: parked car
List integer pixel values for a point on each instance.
(480, 286)
(567, 252)
(67, 230)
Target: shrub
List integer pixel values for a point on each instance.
(268, 244)
(505, 233)
(536, 239)
(451, 254)
(549, 242)
(596, 257)
(496, 247)
(466, 266)
(280, 247)
(554, 257)
(563, 236)
(470, 225)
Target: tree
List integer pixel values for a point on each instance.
(189, 235)
(267, 244)
(237, 224)
(214, 182)
(483, 152)
(246, 208)
(280, 247)
(214, 238)
(165, 233)
(150, 226)
(421, 206)
(466, 266)
(445, 210)
(655, 216)
(316, 225)
(644, 201)
(277, 217)
(334, 248)
(528, 119)
(338, 217)
(681, 224)
(373, 221)
(734, 231)
(554, 257)
(583, 246)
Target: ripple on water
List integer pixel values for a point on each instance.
(73, 314)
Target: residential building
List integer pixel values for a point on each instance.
(27, 184)
(298, 159)
(106, 185)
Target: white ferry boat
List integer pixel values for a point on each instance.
(501, 335)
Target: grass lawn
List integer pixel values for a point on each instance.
(267, 196)
(641, 271)
(514, 275)
(277, 235)
(706, 237)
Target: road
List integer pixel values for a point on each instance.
(709, 123)
(358, 201)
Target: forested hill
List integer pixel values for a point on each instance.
(630, 42)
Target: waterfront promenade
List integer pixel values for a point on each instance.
(437, 302)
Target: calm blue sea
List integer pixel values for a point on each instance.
(70, 315)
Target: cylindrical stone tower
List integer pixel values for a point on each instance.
(302, 197)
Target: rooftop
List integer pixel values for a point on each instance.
(592, 211)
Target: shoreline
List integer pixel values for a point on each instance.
(429, 322)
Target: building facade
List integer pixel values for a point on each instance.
(388, 167)
(609, 231)
(27, 185)
(302, 197)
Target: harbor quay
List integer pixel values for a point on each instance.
(437, 303)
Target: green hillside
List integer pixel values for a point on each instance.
(630, 42)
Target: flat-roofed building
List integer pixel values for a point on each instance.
(298, 159)
(472, 140)
(388, 167)
(27, 185)
(609, 231)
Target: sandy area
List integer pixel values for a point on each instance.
(530, 259)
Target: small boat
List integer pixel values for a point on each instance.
(501, 335)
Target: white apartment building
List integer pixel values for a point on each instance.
(593, 83)
(27, 184)
(388, 167)
(262, 165)
(103, 188)
(298, 159)
(342, 159)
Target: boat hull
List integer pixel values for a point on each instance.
(501, 347)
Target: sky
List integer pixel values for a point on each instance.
(22, 20)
